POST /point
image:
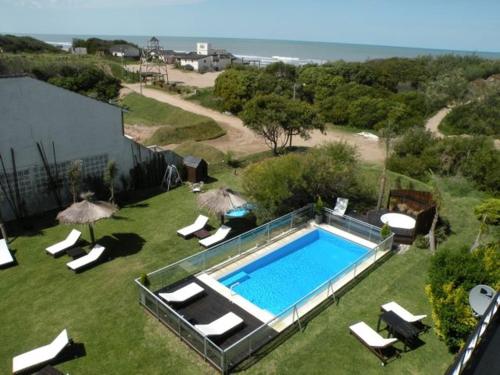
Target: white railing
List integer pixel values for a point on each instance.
(475, 338)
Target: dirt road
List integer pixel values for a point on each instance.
(243, 141)
(433, 122)
(193, 79)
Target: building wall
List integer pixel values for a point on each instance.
(203, 48)
(69, 125)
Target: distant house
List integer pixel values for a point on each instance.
(205, 58)
(79, 50)
(44, 129)
(125, 50)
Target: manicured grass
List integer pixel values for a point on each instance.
(201, 150)
(326, 347)
(177, 125)
(40, 296)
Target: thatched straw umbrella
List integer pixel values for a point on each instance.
(87, 212)
(219, 201)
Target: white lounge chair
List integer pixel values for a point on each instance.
(92, 257)
(199, 224)
(218, 236)
(183, 294)
(402, 312)
(371, 339)
(5, 255)
(340, 206)
(220, 326)
(42, 355)
(70, 241)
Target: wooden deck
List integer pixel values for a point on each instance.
(210, 306)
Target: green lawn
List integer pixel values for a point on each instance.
(206, 98)
(40, 296)
(176, 125)
(211, 154)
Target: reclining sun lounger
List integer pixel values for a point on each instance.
(220, 326)
(371, 339)
(402, 312)
(42, 355)
(5, 255)
(183, 294)
(199, 224)
(92, 257)
(340, 206)
(70, 241)
(218, 236)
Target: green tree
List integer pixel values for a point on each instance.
(318, 83)
(110, 175)
(235, 87)
(302, 118)
(488, 214)
(75, 178)
(447, 89)
(438, 200)
(279, 185)
(388, 133)
(267, 115)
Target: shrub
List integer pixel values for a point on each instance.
(451, 275)
(385, 231)
(144, 280)
(318, 206)
(280, 185)
(480, 117)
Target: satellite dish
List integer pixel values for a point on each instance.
(480, 298)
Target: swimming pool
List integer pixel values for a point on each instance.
(280, 279)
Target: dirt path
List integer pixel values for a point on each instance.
(433, 122)
(193, 79)
(243, 141)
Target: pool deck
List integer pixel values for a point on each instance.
(211, 306)
(211, 277)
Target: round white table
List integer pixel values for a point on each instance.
(401, 221)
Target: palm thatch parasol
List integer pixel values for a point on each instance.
(87, 212)
(219, 201)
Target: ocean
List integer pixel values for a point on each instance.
(267, 50)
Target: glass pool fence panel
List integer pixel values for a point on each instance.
(354, 226)
(227, 250)
(180, 327)
(254, 340)
(248, 345)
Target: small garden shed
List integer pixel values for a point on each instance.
(196, 169)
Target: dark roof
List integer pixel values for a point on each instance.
(192, 161)
(153, 39)
(191, 56)
(123, 48)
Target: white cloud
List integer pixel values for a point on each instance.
(79, 4)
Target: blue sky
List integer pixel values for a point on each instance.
(450, 24)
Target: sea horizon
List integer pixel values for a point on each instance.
(269, 50)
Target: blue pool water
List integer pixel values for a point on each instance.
(281, 278)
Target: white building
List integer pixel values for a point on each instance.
(43, 128)
(125, 50)
(206, 58)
